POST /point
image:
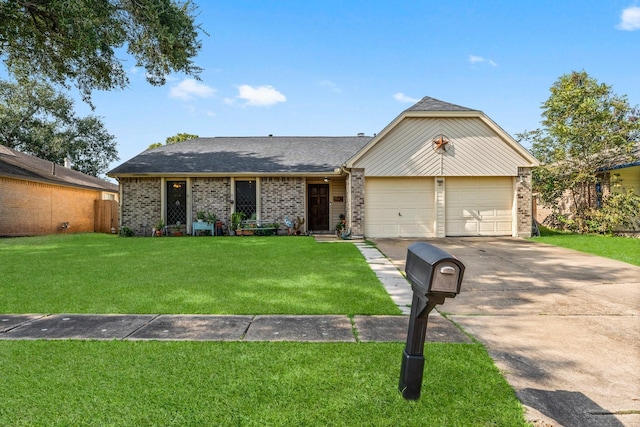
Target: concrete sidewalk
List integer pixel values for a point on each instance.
(331, 328)
(563, 326)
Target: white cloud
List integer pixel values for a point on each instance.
(259, 96)
(630, 19)
(401, 97)
(474, 59)
(189, 89)
(331, 85)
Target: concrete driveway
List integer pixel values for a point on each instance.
(562, 326)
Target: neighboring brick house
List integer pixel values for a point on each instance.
(37, 197)
(437, 170)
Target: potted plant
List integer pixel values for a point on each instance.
(159, 227)
(177, 230)
(236, 219)
(200, 216)
(340, 226)
(211, 218)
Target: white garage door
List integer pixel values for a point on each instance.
(399, 207)
(479, 206)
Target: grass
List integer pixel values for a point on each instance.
(619, 248)
(151, 383)
(98, 273)
(95, 383)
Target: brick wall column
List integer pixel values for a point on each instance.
(355, 201)
(524, 208)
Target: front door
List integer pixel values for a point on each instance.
(318, 207)
(176, 202)
(246, 198)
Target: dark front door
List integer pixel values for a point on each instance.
(318, 207)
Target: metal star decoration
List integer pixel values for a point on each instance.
(440, 143)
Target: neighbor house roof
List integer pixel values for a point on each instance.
(633, 161)
(245, 155)
(18, 165)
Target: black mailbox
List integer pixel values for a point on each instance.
(434, 276)
(432, 270)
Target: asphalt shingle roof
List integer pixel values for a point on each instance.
(15, 164)
(269, 154)
(431, 104)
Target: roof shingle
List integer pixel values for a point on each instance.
(232, 155)
(15, 164)
(431, 104)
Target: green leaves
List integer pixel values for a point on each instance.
(77, 41)
(587, 129)
(37, 120)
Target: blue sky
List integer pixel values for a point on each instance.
(338, 68)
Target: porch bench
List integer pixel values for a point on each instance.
(257, 227)
(202, 226)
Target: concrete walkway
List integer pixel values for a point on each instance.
(563, 326)
(177, 327)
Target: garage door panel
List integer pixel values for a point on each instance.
(480, 206)
(399, 207)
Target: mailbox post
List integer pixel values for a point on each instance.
(434, 276)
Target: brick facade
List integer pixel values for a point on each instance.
(142, 200)
(32, 208)
(212, 195)
(280, 197)
(524, 214)
(141, 203)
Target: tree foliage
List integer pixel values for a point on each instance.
(586, 130)
(80, 41)
(37, 120)
(179, 137)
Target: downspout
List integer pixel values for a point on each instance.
(349, 201)
(120, 196)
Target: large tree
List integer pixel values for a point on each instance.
(179, 137)
(79, 41)
(37, 120)
(586, 130)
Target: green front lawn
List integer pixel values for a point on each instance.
(620, 248)
(92, 383)
(154, 383)
(98, 273)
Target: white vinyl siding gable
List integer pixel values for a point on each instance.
(474, 150)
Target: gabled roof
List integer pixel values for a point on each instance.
(14, 164)
(431, 104)
(245, 155)
(434, 108)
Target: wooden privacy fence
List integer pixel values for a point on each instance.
(106, 216)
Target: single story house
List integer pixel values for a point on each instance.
(38, 197)
(437, 170)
